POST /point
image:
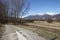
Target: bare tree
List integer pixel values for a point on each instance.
(19, 8)
(25, 11)
(2, 9)
(13, 8)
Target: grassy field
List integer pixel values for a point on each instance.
(42, 28)
(48, 30)
(44, 23)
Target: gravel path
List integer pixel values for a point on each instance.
(10, 34)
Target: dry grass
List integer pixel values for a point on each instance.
(1, 27)
(1, 30)
(44, 23)
(49, 33)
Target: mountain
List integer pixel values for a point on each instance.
(44, 17)
(57, 16)
(39, 17)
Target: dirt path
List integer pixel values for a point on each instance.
(10, 33)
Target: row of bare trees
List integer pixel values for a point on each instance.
(13, 8)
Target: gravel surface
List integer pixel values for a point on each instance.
(10, 34)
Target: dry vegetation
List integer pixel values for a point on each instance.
(1, 30)
(44, 29)
(1, 27)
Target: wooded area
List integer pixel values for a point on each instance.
(12, 10)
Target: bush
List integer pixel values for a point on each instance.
(49, 20)
(57, 20)
(30, 21)
(3, 21)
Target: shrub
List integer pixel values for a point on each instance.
(30, 21)
(49, 20)
(58, 20)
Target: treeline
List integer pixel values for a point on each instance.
(49, 20)
(12, 10)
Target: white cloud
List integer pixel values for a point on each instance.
(51, 13)
(38, 14)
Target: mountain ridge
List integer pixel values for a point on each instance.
(44, 17)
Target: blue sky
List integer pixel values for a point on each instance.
(44, 6)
